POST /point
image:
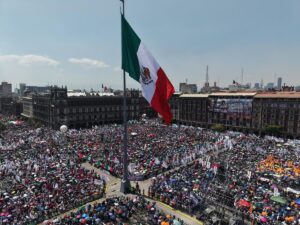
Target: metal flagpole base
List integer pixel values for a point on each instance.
(125, 186)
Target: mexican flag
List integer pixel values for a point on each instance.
(141, 66)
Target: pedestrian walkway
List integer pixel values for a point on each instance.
(112, 183)
(113, 190)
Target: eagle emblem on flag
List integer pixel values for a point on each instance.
(145, 75)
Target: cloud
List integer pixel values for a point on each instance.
(27, 60)
(89, 62)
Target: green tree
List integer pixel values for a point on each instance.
(2, 126)
(274, 130)
(218, 127)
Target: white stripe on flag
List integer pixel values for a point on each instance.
(146, 60)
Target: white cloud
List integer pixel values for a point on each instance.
(27, 60)
(89, 62)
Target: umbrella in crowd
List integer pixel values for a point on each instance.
(119, 210)
(255, 176)
(244, 203)
(41, 176)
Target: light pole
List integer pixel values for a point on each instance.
(51, 114)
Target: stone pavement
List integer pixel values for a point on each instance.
(113, 189)
(113, 184)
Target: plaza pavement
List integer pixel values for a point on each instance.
(113, 189)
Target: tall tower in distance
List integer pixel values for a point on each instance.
(279, 83)
(206, 84)
(22, 88)
(242, 80)
(261, 83)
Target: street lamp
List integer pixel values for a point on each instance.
(51, 115)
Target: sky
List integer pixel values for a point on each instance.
(77, 43)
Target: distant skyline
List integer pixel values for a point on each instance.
(77, 42)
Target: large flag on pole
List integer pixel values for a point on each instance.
(141, 66)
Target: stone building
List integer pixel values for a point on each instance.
(242, 111)
(188, 88)
(27, 106)
(278, 108)
(58, 107)
(10, 106)
(193, 109)
(5, 89)
(174, 104)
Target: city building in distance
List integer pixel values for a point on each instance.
(5, 89)
(188, 88)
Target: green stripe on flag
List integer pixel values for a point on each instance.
(130, 46)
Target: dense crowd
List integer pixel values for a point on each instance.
(152, 148)
(41, 177)
(118, 210)
(256, 176)
(40, 168)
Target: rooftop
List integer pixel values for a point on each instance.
(194, 96)
(76, 94)
(278, 95)
(233, 94)
(84, 94)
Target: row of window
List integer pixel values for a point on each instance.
(109, 116)
(94, 110)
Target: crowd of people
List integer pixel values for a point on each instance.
(258, 177)
(40, 176)
(118, 210)
(152, 148)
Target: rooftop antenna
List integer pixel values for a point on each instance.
(261, 83)
(206, 78)
(206, 84)
(242, 81)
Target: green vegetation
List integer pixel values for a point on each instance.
(2, 126)
(218, 127)
(274, 130)
(33, 123)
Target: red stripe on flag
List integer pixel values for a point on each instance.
(163, 91)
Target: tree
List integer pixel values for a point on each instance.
(2, 126)
(274, 130)
(218, 127)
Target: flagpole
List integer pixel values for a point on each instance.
(125, 184)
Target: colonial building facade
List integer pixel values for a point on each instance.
(10, 106)
(174, 104)
(242, 111)
(277, 108)
(238, 111)
(193, 109)
(58, 108)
